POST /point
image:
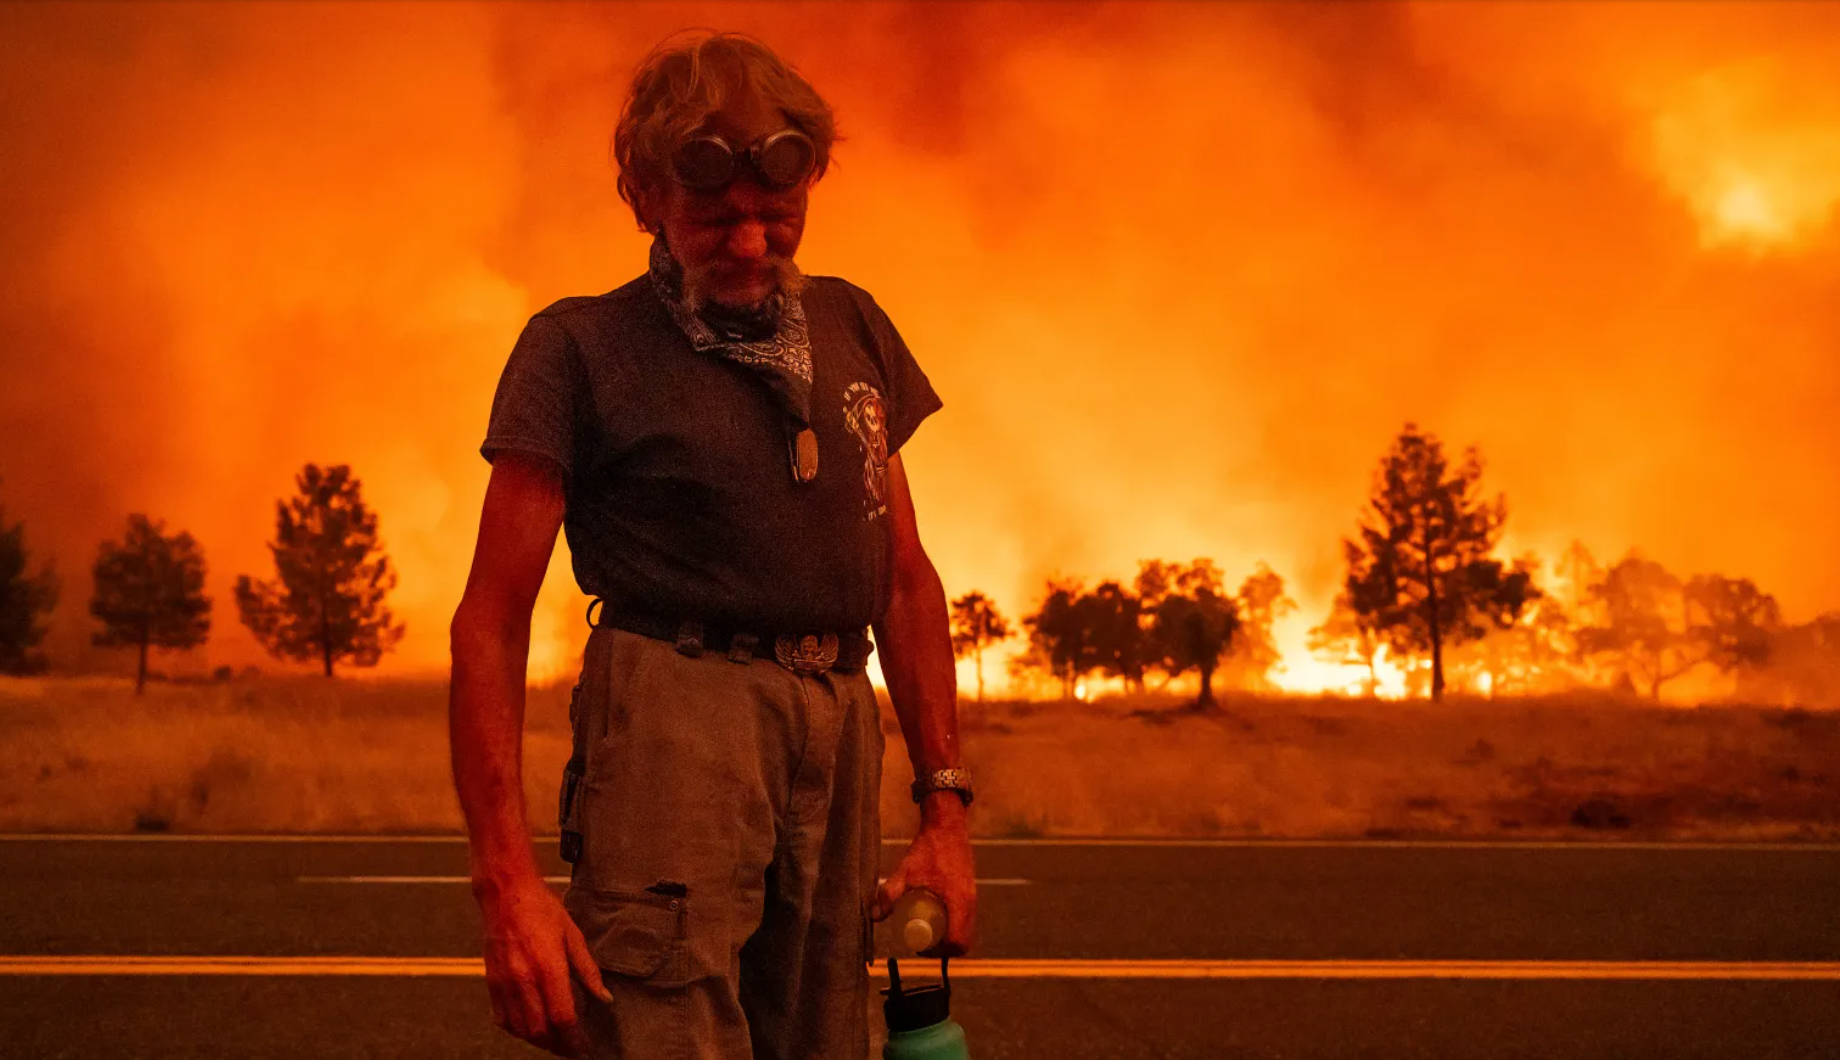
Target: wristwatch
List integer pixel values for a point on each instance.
(956, 780)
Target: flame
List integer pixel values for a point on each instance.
(1303, 673)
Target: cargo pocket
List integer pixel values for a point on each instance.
(568, 812)
(634, 933)
(568, 801)
(868, 937)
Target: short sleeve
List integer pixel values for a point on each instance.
(534, 408)
(910, 397)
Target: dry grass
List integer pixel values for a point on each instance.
(263, 755)
(305, 755)
(1322, 767)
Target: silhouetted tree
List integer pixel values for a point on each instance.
(1578, 607)
(1734, 621)
(1536, 652)
(1423, 560)
(26, 601)
(1350, 636)
(150, 593)
(976, 625)
(1577, 570)
(1112, 618)
(1192, 619)
(1804, 666)
(1642, 621)
(1156, 578)
(1259, 603)
(1059, 640)
(328, 599)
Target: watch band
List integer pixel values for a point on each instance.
(956, 779)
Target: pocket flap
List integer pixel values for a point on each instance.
(632, 932)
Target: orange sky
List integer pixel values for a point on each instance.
(1179, 272)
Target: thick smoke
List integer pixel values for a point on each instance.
(1179, 271)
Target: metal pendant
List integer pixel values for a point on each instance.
(804, 453)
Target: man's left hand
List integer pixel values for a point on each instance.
(939, 860)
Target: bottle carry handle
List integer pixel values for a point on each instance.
(945, 976)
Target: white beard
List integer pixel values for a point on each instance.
(789, 281)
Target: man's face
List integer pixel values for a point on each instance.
(735, 245)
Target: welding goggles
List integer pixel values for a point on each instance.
(779, 161)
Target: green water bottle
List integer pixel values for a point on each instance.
(920, 1025)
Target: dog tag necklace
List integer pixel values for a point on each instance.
(803, 447)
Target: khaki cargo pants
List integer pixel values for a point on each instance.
(730, 831)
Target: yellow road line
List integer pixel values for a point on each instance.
(1396, 969)
(991, 882)
(1662, 845)
(20, 965)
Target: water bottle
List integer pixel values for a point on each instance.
(920, 1025)
(921, 919)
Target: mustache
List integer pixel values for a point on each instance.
(788, 279)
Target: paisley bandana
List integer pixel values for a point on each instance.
(774, 343)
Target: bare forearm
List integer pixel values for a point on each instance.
(916, 645)
(486, 732)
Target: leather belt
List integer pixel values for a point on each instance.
(799, 650)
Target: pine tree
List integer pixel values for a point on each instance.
(26, 601)
(328, 600)
(1422, 562)
(150, 593)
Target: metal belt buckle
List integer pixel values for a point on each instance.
(810, 654)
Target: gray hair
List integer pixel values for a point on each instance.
(690, 76)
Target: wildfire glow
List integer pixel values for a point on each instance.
(1755, 153)
(1179, 272)
(1744, 209)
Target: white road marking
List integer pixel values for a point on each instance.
(1829, 971)
(184, 837)
(1045, 841)
(404, 879)
(994, 882)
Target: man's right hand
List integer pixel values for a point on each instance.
(531, 947)
(530, 941)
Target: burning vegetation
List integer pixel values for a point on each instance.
(1426, 601)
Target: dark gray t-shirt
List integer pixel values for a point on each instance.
(681, 499)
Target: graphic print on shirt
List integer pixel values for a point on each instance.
(867, 417)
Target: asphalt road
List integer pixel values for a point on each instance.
(1085, 950)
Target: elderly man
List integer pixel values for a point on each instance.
(720, 440)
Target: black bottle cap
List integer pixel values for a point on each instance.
(910, 1010)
